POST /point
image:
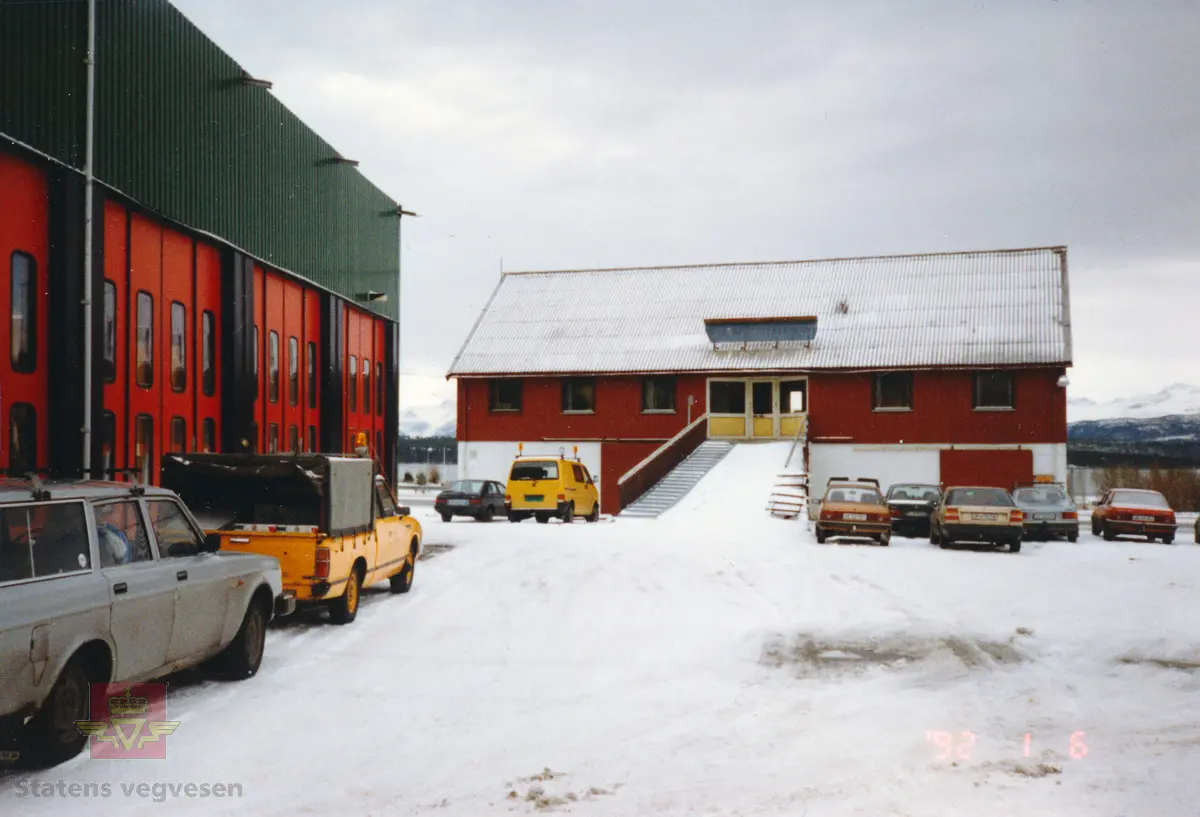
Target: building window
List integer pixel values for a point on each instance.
(145, 340)
(208, 353)
(293, 371)
(178, 346)
(352, 383)
(253, 441)
(793, 394)
(273, 438)
(727, 397)
(143, 444)
(109, 363)
(994, 390)
(658, 394)
(379, 445)
(504, 395)
(366, 386)
(294, 438)
(273, 366)
(208, 435)
(178, 435)
(23, 339)
(108, 440)
(311, 363)
(579, 395)
(893, 391)
(254, 343)
(22, 438)
(379, 388)
(312, 439)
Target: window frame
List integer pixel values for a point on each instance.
(208, 443)
(648, 384)
(293, 367)
(568, 383)
(976, 393)
(137, 426)
(273, 367)
(176, 424)
(178, 373)
(33, 574)
(140, 332)
(714, 384)
(143, 519)
(152, 531)
(510, 407)
(352, 384)
(27, 362)
(379, 387)
(311, 373)
(366, 385)
(32, 448)
(272, 438)
(878, 382)
(108, 435)
(293, 438)
(312, 439)
(110, 339)
(208, 353)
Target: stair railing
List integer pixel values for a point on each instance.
(650, 471)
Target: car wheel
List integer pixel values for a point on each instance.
(446, 517)
(885, 539)
(1095, 527)
(594, 516)
(944, 541)
(934, 539)
(569, 514)
(487, 513)
(1072, 537)
(820, 536)
(542, 518)
(344, 609)
(241, 659)
(1107, 533)
(515, 517)
(1168, 540)
(1014, 546)
(402, 581)
(51, 734)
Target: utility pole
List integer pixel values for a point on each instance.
(89, 141)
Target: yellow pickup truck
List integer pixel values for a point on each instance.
(331, 521)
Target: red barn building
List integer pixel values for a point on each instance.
(944, 367)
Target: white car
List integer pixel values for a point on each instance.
(112, 582)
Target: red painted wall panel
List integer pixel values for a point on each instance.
(840, 405)
(615, 460)
(24, 228)
(116, 384)
(997, 468)
(312, 334)
(145, 279)
(208, 297)
(176, 289)
(293, 328)
(260, 324)
(274, 329)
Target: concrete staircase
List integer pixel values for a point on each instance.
(675, 485)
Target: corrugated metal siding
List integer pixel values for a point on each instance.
(180, 134)
(999, 308)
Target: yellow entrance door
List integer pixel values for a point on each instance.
(764, 407)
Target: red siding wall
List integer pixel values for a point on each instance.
(840, 405)
(24, 228)
(994, 468)
(311, 399)
(366, 338)
(116, 384)
(208, 298)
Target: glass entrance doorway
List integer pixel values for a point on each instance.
(757, 408)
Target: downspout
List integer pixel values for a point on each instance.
(88, 351)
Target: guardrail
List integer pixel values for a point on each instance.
(643, 476)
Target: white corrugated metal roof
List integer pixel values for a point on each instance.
(996, 308)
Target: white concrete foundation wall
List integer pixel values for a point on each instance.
(492, 460)
(910, 463)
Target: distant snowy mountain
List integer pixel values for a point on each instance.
(1176, 399)
(429, 421)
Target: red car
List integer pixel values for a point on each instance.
(1130, 512)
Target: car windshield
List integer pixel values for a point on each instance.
(855, 494)
(534, 469)
(467, 486)
(1040, 496)
(1140, 499)
(920, 493)
(987, 497)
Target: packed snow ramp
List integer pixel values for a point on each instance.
(681, 479)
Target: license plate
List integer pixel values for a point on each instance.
(916, 513)
(1143, 519)
(855, 517)
(534, 497)
(984, 517)
(1045, 515)
(457, 502)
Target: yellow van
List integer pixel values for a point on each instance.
(546, 486)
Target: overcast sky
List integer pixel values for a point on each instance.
(549, 135)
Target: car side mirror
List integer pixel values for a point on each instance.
(212, 542)
(403, 510)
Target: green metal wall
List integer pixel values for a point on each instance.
(180, 134)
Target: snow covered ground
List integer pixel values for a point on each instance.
(712, 661)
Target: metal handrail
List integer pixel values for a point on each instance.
(654, 454)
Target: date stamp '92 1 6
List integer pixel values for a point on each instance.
(958, 746)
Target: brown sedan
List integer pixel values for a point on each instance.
(854, 509)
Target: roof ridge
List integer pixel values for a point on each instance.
(1051, 248)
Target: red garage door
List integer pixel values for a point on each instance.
(998, 468)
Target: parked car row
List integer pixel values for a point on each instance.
(952, 514)
(111, 582)
(540, 487)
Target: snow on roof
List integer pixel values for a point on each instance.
(994, 308)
